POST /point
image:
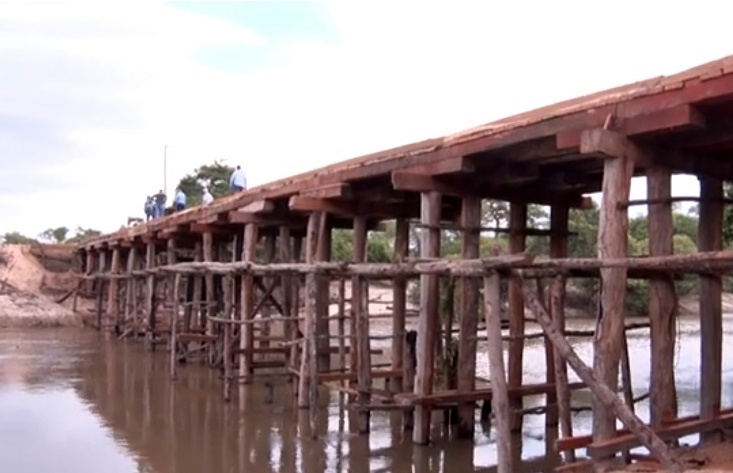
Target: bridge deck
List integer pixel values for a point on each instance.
(532, 157)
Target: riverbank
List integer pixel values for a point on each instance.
(714, 458)
(32, 279)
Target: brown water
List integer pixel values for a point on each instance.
(75, 402)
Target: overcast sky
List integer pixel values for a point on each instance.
(90, 92)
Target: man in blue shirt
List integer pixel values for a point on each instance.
(238, 181)
(179, 201)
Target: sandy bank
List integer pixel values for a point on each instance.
(28, 289)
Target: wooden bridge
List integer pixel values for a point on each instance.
(221, 280)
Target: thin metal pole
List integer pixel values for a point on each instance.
(165, 170)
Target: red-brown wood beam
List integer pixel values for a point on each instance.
(331, 191)
(258, 206)
(299, 203)
(405, 181)
(455, 165)
(681, 118)
(210, 228)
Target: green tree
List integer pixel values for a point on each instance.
(214, 176)
(17, 238)
(82, 234)
(57, 235)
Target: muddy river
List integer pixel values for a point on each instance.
(72, 401)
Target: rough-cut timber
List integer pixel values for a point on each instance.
(553, 156)
(662, 300)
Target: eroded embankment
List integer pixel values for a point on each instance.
(29, 289)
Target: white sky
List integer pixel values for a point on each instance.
(90, 92)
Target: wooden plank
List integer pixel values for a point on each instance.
(323, 289)
(258, 206)
(581, 441)
(710, 238)
(210, 228)
(411, 182)
(453, 395)
(684, 117)
(299, 203)
(602, 393)
(662, 300)
(670, 432)
(428, 318)
(500, 395)
(454, 165)
(612, 243)
(339, 190)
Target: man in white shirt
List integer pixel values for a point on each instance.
(238, 182)
(206, 197)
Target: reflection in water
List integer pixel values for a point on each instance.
(72, 401)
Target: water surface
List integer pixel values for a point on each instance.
(72, 401)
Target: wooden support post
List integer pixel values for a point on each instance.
(710, 238)
(296, 348)
(612, 243)
(471, 222)
(428, 320)
(342, 332)
(499, 392)
(515, 365)
(309, 352)
(100, 288)
(662, 300)
(359, 246)
(131, 284)
(562, 388)
(409, 356)
(559, 218)
(246, 340)
(360, 303)
(173, 342)
(602, 393)
(150, 295)
(227, 337)
(92, 265)
(198, 286)
(210, 296)
(323, 282)
(286, 286)
(399, 302)
(113, 307)
(270, 247)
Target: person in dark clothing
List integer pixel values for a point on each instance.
(160, 199)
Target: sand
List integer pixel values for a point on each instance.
(714, 458)
(27, 291)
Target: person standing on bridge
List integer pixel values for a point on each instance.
(179, 201)
(206, 197)
(238, 181)
(160, 199)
